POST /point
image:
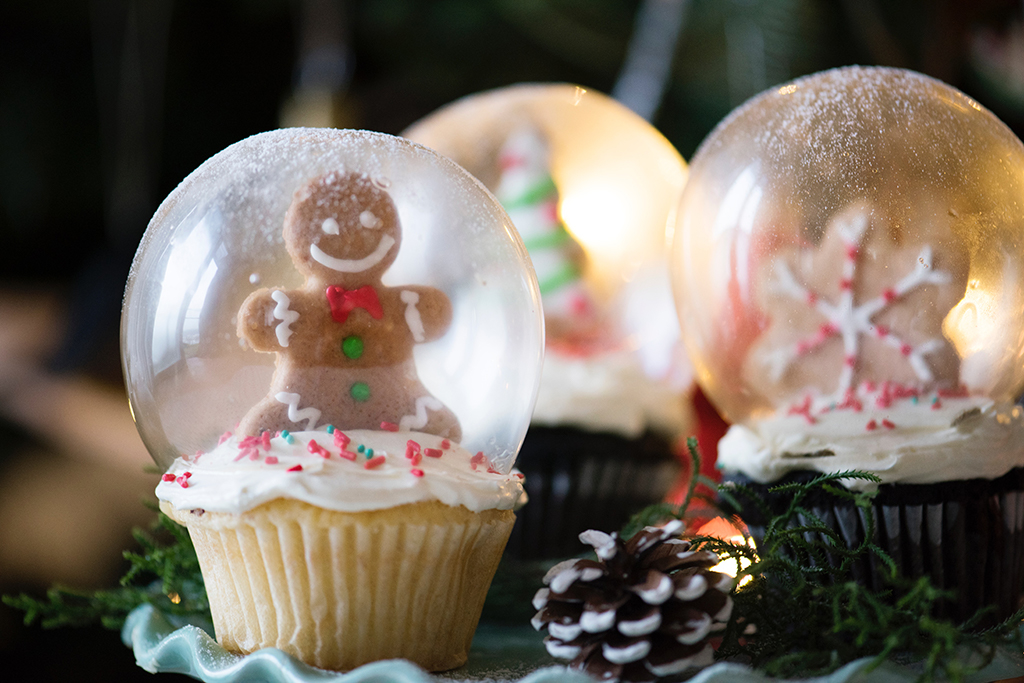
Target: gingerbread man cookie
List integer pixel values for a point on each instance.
(863, 307)
(344, 340)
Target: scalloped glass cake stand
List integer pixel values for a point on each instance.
(499, 653)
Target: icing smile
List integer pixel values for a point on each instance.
(353, 265)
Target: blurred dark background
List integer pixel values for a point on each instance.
(105, 105)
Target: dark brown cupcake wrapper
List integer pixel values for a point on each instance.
(578, 480)
(972, 545)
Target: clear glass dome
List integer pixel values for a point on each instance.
(858, 230)
(591, 188)
(235, 309)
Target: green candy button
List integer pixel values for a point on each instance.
(352, 347)
(360, 391)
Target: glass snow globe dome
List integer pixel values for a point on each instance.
(244, 280)
(849, 239)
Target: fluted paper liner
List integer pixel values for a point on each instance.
(340, 589)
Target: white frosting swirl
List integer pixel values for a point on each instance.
(923, 443)
(608, 392)
(227, 480)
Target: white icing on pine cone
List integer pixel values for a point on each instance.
(693, 587)
(703, 658)
(699, 629)
(603, 544)
(633, 652)
(596, 622)
(565, 632)
(540, 598)
(640, 627)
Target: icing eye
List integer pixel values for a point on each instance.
(330, 226)
(368, 220)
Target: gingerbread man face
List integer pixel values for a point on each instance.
(344, 340)
(342, 228)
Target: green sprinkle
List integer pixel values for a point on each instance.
(284, 433)
(360, 391)
(361, 448)
(352, 347)
(330, 429)
(369, 453)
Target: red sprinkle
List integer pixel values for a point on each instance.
(491, 470)
(519, 475)
(265, 440)
(936, 404)
(167, 477)
(881, 330)
(889, 295)
(294, 468)
(478, 459)
(846, 284)
(375, 461)
(888, 425)
(416, 457)
(433, 452)
(341, 439)
(389, 426)
(906, 349)
(849, 361)
(812, 298)
(871, 426)
(412, 449)
(314, 447)
(852, 251)
(224, 437)
(446, 444)
(187, 475)
(183, 480)
(271, 459)
(415, 472)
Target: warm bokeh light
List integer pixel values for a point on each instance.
(722, 528)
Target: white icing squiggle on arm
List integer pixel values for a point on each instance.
(296, 415)
(419, 420)
(412, 315)
(284, 314)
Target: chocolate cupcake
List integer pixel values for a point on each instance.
(589, 186)
(850, 281)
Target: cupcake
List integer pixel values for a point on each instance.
(316, 337)
(589, 186)
(849, 277)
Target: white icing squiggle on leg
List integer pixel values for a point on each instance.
(412, 315)
(419, 420)
(283, 313)
(296, 415)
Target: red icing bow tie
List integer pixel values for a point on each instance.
(344, 301)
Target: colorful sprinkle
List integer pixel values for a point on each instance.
(348, 455)
(374, 462)
(314, 447)
(224, 437)
(330, 429)
(411, 448)
(433, 452)
(446, 444)
(361, 448)
(389, 426)
(871, 426)
(167, 477)
(369, 452)
(478, 459)
(341, 439)
(415, 472)
(936, 404)
(265, 440)
(294, 468)
(888, 424)
(271, 460)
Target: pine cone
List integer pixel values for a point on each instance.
(643, 611)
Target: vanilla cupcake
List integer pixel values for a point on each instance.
(347, 304)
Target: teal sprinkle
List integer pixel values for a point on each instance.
(290, 439)
(913, 399)
(284, 434)
(361, 448)
(369, 453)
(330, 429)
(935, 400)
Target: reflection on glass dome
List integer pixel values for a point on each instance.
(850, 240)
(312, 279)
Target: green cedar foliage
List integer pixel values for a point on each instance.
(164, 573)
(798, 614)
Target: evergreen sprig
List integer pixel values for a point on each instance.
(164, 573)
(796, 611)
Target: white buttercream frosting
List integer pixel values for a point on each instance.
(234, 477)
(911, 441)
(607, 392)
